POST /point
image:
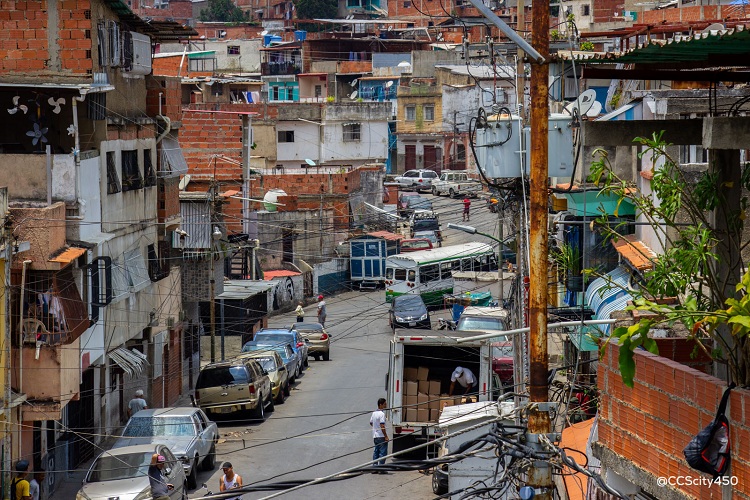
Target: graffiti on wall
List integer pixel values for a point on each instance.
(287, 291)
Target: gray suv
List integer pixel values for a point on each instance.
(231, 386)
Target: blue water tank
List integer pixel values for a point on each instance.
(267, 40)
(300, 35)
(275, 38)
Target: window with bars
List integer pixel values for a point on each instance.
(233, 50)
(352, 132)
(285, 136)
(149, 174)
(131, 173)
(113, 180)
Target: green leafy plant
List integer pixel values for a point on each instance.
(587, 46)
(330, 99)
(678, 209)
(568, 259)
(223, 11)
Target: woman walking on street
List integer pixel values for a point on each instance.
(300, 312)
(321, 310)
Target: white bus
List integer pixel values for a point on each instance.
(429, 273)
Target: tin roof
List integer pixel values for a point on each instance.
(635, 252)
(278, 273)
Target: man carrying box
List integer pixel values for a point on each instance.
(464, 377)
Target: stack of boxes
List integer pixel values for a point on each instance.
(422, 399)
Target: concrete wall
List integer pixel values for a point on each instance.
(44, 228)
(330, 277)
(286, 293)
(248, 60)
(313, 236)
(196, 275)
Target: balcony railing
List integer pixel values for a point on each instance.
(280, 68)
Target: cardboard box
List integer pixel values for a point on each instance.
(422, 373)
(444, 403)
(422, 400)
(434, 415)
(410, 401)
(423, 415)
(411, 414)
(424, 386)
(434, 387)
(411, 388)
(458, 400)
(411, 373)
(434, 403)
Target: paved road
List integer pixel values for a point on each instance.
(323, 427)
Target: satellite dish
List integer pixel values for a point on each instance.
(184, 182)
(354, 83)
(310, 162)
(353, 95)
(389, 84)
(595, 109)
(584, 102)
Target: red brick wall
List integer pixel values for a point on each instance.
(650, 424)
(696, 13)
(24, 46)
(242, 32)
(179, 10)
(171, 90)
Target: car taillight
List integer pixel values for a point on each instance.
(300, 344)
(324, 336)
(251, 388)
(420, 180)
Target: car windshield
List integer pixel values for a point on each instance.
(267, 362)
(427, 236)
(473, 323)
(410, 245)
(113, 468)
(159, 426)
(408, 302)
(281, 349)
(425, 224)
(219, 376)
(307, 327)
(272, 337)
(502, 351)
(419, 203)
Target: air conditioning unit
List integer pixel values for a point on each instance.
(137, 51)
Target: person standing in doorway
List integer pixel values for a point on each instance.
(300, 312)
(321, 310)
(35, 485)
(467, 206)
(230, 480)
(379, 435)
(137, 403)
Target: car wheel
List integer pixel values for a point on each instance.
(326, 356)
(452, 193)
(436, 487)
(270, 402)
(287, 390)
(260, 411)
(435, 192)
(307, 362)
(281, 397)
(192, 479)
(210, 460)
(184, 491)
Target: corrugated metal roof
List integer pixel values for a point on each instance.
(279, 273)
(68, 255)
(386, 235)
(131, 361)
(243, 289)
(172, 160)
(606, 287)
(196, 222)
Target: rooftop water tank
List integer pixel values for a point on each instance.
(272, 197)
(300, 36)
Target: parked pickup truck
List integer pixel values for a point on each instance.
(456, 184)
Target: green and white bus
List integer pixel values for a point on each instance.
(429, 273)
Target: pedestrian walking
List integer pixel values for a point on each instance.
(300, 312)
(137, 403)
(19, 487)
(467, 206)
(379, 435)
(230, 480)
(160, 488)
(35, 485)
(321, 310)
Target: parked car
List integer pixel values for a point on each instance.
(235, 385)
(274, 335)
(320, 341)
(187, 431)
(272, 363)
(487, 319)
(409, 202)
(431, 236)
(423, 220)
(456, 184)
(502, 361)
(122, 473)
(288, 356)
(408, 311)
(415, 244)
(419, 180)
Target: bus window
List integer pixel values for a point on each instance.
(429, 273)
(389, 273)
(400, 274)
(412, 276)
(446, 270)
(466, 264)
(455, 265)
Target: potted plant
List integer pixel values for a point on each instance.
(569, 264)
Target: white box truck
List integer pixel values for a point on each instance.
(432, 356)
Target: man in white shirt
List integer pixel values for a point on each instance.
(464, 377)
(379, 435)
(35, 485)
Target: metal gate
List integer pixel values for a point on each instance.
(410, 159)
(431, 158)
(81, 422)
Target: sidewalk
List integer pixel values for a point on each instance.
(68, 487)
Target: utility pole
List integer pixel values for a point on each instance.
(520, 65)
(211, 279)
(540, 474)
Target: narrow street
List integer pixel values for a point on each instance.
(323, 427)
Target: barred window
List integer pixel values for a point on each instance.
(352, 132)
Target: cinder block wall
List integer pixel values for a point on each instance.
(650, 424)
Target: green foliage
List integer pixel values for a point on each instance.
(223, 11)
(316, 9)
(587, 46)
(567, 258)
(677, 211)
